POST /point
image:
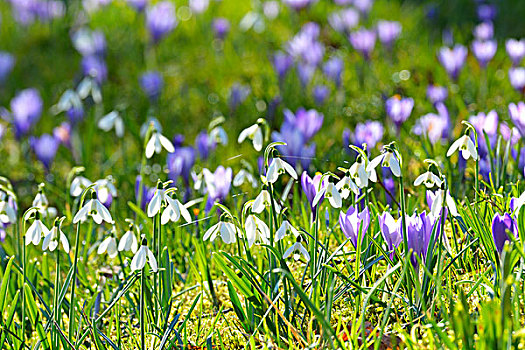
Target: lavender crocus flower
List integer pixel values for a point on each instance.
(204, 144)
(484, 31)
(45, 148)
(354, 224)
(453, 59)
(7, 62)
(199, 6)
(311, 186)
(161, 20)
(151, 83)
(369, 132)
(296, 148)
(26, 109)
(238, 94)
(333, 68)
(515, 50)
(308, 122)
(282, 63)
(138, 5)
(486, 12)
(436, 94)
(221, 27)
(484, 51)
(95, 67)
(89, 43)
(62, 134)
(391, 231)
(399, 109)
(517, 115)
(388, 32)
(217, 185)
(180, 163)
(434, 126)
(298, 4)
(517, 78)
(485, 124)
(320, 94)
(305, 47)
(509, 134)
(419, 229)
(363, 41)
(345, 20)
(500, 225)
(364, 6)
(147, 192)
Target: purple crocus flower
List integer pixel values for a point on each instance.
(221, 27)
(434, 126)
(298, 4)
(305, 73)
(419, 230)
(151, 83)
(138, 5)
(147, 192)
(509, 134)
(62, 134)
(320, 94)
(89, 43)
(388, 32)
(517, 78)
(354, 224)
(26, 109)
(333, 68)
(484, 31)
(485, 123)
(75, 114)
(238, 94)
(204, 144)
(180, 163)
(45, 148)
(305, 47)
(95, 67)
(436, 94)
(363, 41)
(484, 51)
(7, 62)
(344, 21)
(399, 109)
(517, 115)
(453, 59)
(161, 20)
(296, 148)
(369, 132)
(515, 50)
(500, 225)
(217, 185)
(282, 63)
(311, 186)
(364, 6)
(486, 12)
(391, 231)
(308, 122)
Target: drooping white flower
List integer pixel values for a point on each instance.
(437, 203)
(297, 249)
(156, 143)
(128, 242)
(263, 201)
(218, 135)
(227, 230)
(78, 185)
(466, 146)
(112, 120)
(386, 159)
(429, 179)
(143, 254)
(95, 209)
(285, 228)
(278, 167)
(174, 211)
(35, 232)
(88, 86)
(242, 176)
(345, 186)
(105, 188)
(156, 201)
(331, 193)
(108, 245)
(256, 230)
(359, 173)
(7, 212)
(255, 134)
(40, 201)
(53, 237)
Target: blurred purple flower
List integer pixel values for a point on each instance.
(281, 63)
(296, 148)
(217, 185)
(333, 68)
(238, 94)
(399, 109)
(434, 126)
(7, 62)
(320, 94)
(484, 51)
(45, 148)
(453, 59)
(152, 83)
(62, 134)
(26, 109)
(95, 67)
(509, 134)
(308, 122)
(138, 5)
(363, 41)
(517, 115)
(298, 4)
(486, 12)
(436, 94)
(500, 225)
(391, 231)
(221, 27)
(204, 144)
(369, 132)
(344, 20)
(388, 31)
(180, 163)
(304, 46)
(517, 78)
(199, 6)
(305, 73)
(161, 20)
(515, 50)
(89, 42)
(354, 224)
(147, 192)
(364, 6)
(484, 31)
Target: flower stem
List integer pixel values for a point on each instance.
(57, 292)
(73, 285)
(142, 296)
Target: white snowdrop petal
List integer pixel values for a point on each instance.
(150, 147)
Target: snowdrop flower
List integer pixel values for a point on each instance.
(429, 179)
(256, 230)
(35, 232)
(218, 135)
(174, 211)
(244, 175)
(128, 241)
(143, 254)
(156, 143)
(95, 209)
(156, 202)
(105, 189)
(54, 236)
(437, 203)
(108, 245)
(263, 201)
(345, 185)
(78, 185)
(278, 167)
(360, 173)
(387, 158)
(112, 120)
(285, 228)
(255, 134)
(330, 192)
(40, 201)
(7, 212)
(466, 146)
(226, 230)
(299, 248)
(89, 87)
